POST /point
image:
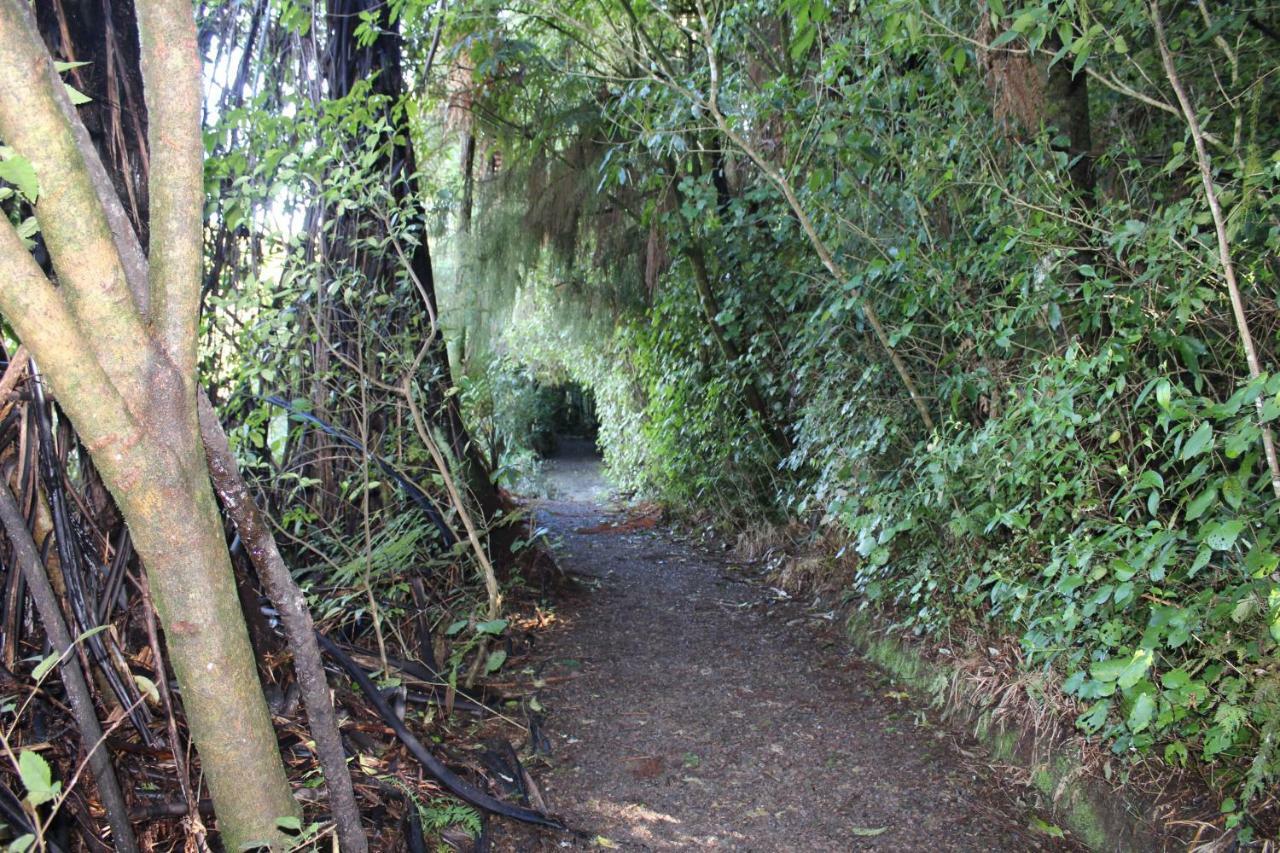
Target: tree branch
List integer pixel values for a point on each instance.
(171, 68)
(34, 120)
(40, 317)
(255, 532)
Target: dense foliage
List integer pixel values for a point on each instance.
(1067, 444)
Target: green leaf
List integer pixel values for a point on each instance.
(867, 831)
(1200, 441)
(1125, 672)
(42, 669)
(1140, 715)
(1261, 561)
(1108, 670)
(1222, 536)
(27, 229)
(1004, 38)
(1137, 669)
(1201, 502)
(1202, 559)
(1233, 492)
(77, 97)
(453, 629)
(1038, 825)
(18, 171)
(38, 778)
(803, 41)
(494, 626)
(289, 823)
(22, 844)
(1082, 58)
(1150, 479)
(495, 661)
(1094, 718)
(1244, 609)
(148, 688)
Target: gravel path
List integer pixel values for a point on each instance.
(691, 710)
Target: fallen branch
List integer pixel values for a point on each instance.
(452, 782)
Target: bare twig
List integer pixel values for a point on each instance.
(486, 566)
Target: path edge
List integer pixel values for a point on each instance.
(1102, 816)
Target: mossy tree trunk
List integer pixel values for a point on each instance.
(116, 340)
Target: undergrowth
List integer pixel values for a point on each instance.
(946, 284)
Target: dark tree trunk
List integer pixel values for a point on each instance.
(348, 62)
(468, 182)
(104, 35)
(1067, 109)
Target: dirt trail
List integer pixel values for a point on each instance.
(691, 710)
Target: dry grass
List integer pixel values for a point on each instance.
(794, 558)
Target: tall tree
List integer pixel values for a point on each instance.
(354, 57)
(114, 331)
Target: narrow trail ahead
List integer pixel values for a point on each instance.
(692, 710)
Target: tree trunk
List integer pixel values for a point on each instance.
(117, 341)
(178, 533)
(468, 182)
(350, 61)
(1067, 108)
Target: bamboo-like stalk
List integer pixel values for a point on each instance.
(1220, 230)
